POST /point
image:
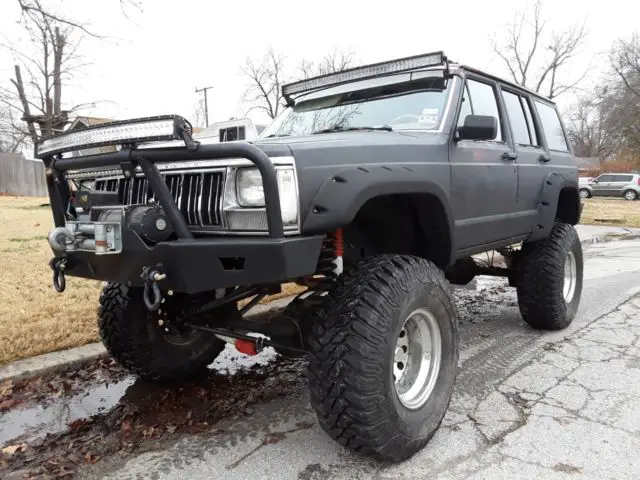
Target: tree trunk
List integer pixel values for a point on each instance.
(25, 104)
(58, 122)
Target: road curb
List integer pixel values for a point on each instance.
(77, 357)
(612, 237)
(62, 360)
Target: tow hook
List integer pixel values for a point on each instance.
(58, 265)
(152, 295)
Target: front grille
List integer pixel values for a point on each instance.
(198, 195)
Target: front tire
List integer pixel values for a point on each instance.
(136, 340)
(371, 387)
(585, 193)
(549, 279)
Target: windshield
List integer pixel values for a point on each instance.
(416, 105)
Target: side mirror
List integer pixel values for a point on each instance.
(478, 127)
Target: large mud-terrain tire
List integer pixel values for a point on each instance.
(549, 279)
(133, 337)
(360, 391)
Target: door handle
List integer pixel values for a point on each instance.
(545, 157)
(509, 156)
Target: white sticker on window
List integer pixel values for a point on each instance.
(429, 115)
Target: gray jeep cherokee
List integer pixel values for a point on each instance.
(374, 188)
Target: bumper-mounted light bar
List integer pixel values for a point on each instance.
(134, 131)
(364, 72)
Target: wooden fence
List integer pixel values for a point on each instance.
(20, 176)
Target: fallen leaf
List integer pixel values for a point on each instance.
(11, 449)
(126, 426)
(272, 438)
(171, 428)
(6, 388)
(90, 458)
(9, 403)
(78, 423)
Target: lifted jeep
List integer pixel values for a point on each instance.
(374, 188)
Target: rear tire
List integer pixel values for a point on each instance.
(134, 338)
(364, 396)
(549, 279)
(630, 195)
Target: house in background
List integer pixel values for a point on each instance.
(230, 130)
(83, 122)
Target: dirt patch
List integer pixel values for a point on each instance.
(611, 211)
(34, 319)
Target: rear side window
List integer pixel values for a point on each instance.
(552, 127)
(482, 100)
(517, 119)
(622, 178)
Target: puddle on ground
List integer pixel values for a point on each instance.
(25, 425)
(33, 422)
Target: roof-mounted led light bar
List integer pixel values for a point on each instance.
(361, 73)
(138, 130)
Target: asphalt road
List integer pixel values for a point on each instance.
(526, 405)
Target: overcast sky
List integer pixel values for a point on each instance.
(158, 56)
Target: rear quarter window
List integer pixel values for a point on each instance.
(552, 127)
(622, 178)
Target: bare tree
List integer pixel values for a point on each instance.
(536, 56)
(33, 103)
(591, 124)
(625, 62)
(11, 139)
(266, 77)
(32, 106)
(30, 7)
(334, 61)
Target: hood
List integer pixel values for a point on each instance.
(355, 147)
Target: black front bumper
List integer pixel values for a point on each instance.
(191, 264)
(203, 264)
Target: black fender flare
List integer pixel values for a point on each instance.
(338, 200)
(547, 206)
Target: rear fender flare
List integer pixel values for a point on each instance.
(547, 206)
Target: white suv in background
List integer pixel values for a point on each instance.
(626, 185)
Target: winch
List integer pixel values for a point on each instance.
(102, 237)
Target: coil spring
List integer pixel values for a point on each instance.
(327, 257)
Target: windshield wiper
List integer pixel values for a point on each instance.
(274, 135)
(338, 128)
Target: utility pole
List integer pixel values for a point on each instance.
(206, 106)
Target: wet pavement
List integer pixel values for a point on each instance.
(517, 399)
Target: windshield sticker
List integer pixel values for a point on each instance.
(429, 115)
